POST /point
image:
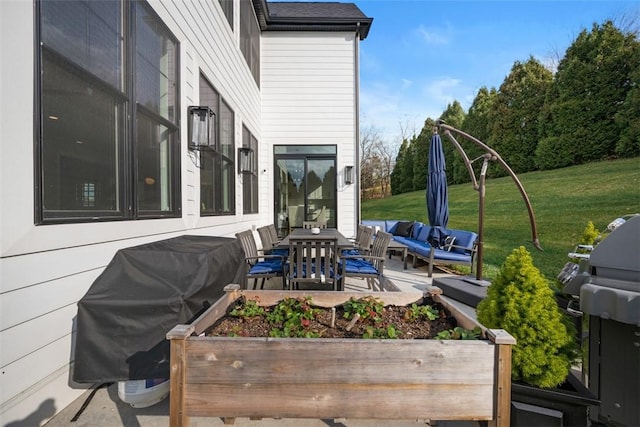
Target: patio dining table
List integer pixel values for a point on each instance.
(342, 241)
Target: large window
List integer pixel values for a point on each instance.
(250, 38)
(227, 8)
(108, 125)
(250, 178)
(217, 164)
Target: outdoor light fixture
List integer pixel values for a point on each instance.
(348, 175)
(201, 127)
(246, 160)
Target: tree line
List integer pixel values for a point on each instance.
(588, 110)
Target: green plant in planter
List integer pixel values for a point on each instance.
(521, 301)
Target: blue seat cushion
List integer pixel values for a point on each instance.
(416, 229)
(444, 255)
(421, 248)
(266, 267)
(464, 238)
(351, 252)
(424, 233)
(358, 266)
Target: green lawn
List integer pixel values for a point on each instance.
(563, 200)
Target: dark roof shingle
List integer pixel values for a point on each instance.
(312, 16)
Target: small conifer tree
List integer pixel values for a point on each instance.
(521, 302)
(589, 235)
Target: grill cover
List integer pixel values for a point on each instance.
(142, 294)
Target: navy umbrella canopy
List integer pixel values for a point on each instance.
(437, 192)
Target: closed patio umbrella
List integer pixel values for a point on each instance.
(437, 193)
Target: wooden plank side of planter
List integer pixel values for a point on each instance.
(333, 378)
(429, 401)
(298, 360)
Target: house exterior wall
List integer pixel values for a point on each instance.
(46, 269)
(309, 97)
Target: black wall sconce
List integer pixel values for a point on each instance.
(201, 127)
(348, 175)
(246, 160)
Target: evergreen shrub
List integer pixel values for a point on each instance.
(520, 301)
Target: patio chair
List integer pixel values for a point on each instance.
(260, 266)
(364, 239)
(274, 233)
(367, 266)
(313, 263)
(269, 244)
(314, 224)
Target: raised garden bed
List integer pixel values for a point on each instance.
(326, 378)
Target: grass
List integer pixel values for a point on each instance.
(563, 200)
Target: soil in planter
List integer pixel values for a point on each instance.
(391, 322)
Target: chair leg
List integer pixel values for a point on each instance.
(369, 284)
(262, 283)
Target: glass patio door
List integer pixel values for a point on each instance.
(305, 188)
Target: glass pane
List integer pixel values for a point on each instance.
(227, 8)
(208, 203)
(81, 136)
(89, 33)
(156, 64)
(228, 183)
(291, 188)
(154, 166)
(227, 142)
(321, 190)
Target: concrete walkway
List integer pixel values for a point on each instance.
(103, 408)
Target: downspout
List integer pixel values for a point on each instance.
(356, 67)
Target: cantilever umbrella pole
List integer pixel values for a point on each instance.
(490, 154)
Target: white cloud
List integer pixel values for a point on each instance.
(432, 37)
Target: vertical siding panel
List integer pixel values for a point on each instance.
(309, 93)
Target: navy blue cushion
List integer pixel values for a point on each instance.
(421, 248)
(443, 255)
(266, 267)
(359, 266)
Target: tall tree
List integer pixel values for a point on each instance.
(398, 185)
(476, 124)
(591, 84)
(453, 115)
(628, 119)
(514, 114)
(421, 154)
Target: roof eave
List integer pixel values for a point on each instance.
(361, 26)
(268, 23)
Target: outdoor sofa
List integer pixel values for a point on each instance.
(459, 248)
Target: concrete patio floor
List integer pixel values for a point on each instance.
(105, 409)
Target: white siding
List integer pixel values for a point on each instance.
(45, 270)
(309, 93)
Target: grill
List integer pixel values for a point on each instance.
(606, 282)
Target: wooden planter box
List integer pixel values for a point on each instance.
(338, 378)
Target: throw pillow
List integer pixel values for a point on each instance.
(404, 228)
(448, 243)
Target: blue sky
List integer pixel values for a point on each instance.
(422, 55)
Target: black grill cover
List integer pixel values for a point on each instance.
(143, 293)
